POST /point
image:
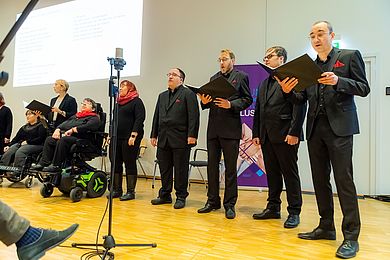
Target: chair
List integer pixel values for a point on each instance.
(198, 164)
(154, 172)
(141, 152)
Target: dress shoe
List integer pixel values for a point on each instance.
(208, 208)
(37, 167)
(159, 201)
(115, 194)
(48, 240)
(292, 221)
(230, 213)
(127, 196)
(347, 249)
(51, 168)
(318, 233)
(267, 214)
(179, 204)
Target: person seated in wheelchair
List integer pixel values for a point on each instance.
(78, 127)
(28, 141)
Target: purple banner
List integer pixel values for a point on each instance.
(250, 164)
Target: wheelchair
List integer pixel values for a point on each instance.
(77, 176)
(18, 174)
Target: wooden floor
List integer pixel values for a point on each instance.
(185, 234)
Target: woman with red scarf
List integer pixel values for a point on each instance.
(131, 117)
(78, 126)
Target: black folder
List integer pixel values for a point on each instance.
(36, 105)
(303, 68)
(217, 88)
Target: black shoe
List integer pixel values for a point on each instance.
(292, 221)
(127, 196)
(347, 249)
(208, 208)
(115, 194)
(52, 168)
(230, 213)
(37, 167)
(318, 233)
(48, 240)
(159, 201)
(267, 214)
(179, 204)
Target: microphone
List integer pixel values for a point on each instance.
(119, 53)
(119, 62)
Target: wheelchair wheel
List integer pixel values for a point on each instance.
(76, 194)
(29, 181)
(97, 185)
(47, 189)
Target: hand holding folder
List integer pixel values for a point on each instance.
(39, 106)
(217, 88)
(302, 68)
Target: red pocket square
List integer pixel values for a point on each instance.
(178, 101)
(338, 64)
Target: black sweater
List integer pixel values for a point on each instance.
(33, 134)
(131, 117)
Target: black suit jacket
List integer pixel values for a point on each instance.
(226, 123)
(68, 104)
(175, 121)
(340, 106)
(276, 117)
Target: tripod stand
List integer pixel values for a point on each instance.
(109, 241)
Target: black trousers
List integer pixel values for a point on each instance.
(127, 155)
(229, 147)
(56, 151)
(173, 164)
(326, 150)
(280, 161)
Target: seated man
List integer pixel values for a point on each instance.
(79, 126)
(29, 140)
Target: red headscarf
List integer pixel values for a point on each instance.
(131, 93)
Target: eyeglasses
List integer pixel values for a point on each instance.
(173, 75)
(269, 56)
(222, 59)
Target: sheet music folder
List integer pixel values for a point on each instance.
(217, 88)
(303, 68)
(36, 105)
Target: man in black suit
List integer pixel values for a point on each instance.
(277, 126)
(224, 133)
(174, 131)
(331, 123)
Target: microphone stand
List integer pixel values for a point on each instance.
(109, 241)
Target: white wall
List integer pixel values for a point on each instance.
(189, 34)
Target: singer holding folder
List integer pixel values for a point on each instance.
(331, 123)
(277, 126)
(63, 106)
(224, 133)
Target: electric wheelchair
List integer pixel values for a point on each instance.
(77, 176)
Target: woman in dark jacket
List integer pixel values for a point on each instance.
(62, 106)
(131, 117)
(5, 124)
(29, 140)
